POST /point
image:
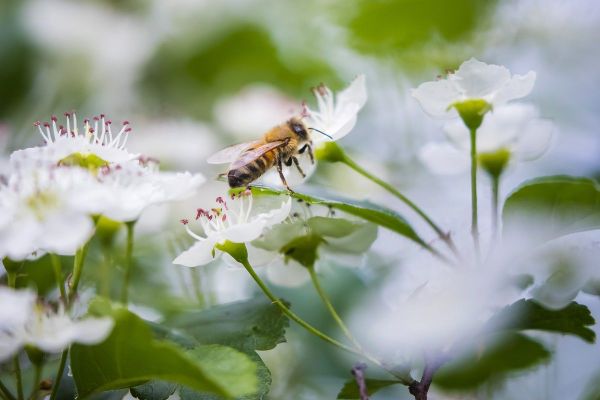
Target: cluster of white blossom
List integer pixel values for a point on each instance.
(54, 191)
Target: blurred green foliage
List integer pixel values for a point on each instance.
(190, 76)
(16, 61)
(392, 28)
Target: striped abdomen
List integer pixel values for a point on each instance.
(253, 170)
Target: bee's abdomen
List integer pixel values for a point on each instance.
(250, 172)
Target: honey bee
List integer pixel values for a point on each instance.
(279, 146)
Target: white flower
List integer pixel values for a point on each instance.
(42, 210)
(254, 110)
(93, 146)
(239, 221)
(515, 128)
(474, 80)
(337, 114)
(125, 191)
(45, 328)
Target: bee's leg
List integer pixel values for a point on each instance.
(288, 162)
(308, 146)
(280, 170)
(297, 164)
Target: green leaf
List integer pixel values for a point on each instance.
(131, 356)
(559, 204)
(331, 227)
(413, 31)
(492, 357)
(155, 390)
(303, 249)
(574, 319)
(254, 324)
(350, 390)
(365, 210)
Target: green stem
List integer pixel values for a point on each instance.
(59, 373)
(18, 377)
(474, 221)
(291, 314)
(77, 269)
(5, 392)
(391, 189)
(36, 381)
(128, 262)
(58, 275)
(315, 280)
(12, 279)
(495, 201)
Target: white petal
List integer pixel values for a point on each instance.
(242, 233)
(64, 233)
(15, 307)
(201, 253)
(535, 140)
(458, 133)
(478, 80)
(291, 274)
(355, 93)
(444, 159)
(518, 86)
(435, 97)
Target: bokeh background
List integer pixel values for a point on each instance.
(196, 75)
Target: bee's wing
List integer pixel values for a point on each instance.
(251, 155)
(231, 153)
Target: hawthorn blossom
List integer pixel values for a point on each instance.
(44, 327)
(336, 115)
(513, 129)
(239, 220)
(474, 80)
(125, 191)
(93, 146)
(42, 211)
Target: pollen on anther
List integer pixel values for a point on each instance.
(184, 221)
(125, 122)
(37, 123)
(53, 118)
(224, 217)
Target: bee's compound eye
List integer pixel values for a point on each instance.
(299, 129)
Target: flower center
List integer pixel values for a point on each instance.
(89, 161)
(40, 202)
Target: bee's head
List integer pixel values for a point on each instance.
(298, 127)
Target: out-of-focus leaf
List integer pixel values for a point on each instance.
(16, 68)
(391, 27)
(575, 319)
(369, 212)
(190, 77)
(492, 357)
(246, 325)
(560, 205)
(303, 249)
(131, 356)
(592, 388)
(350, 390)
(331, 227)
(264, 384)
(155, 390)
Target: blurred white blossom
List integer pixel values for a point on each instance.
(514, 128)
(238, 221)
(44, 210)
(50, 330)
(474, 80)
(253, 111)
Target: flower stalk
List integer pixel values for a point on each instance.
(128, 261)
(334, 153)
(58, 275)
(474, 216)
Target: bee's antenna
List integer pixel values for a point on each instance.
(322, 133)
